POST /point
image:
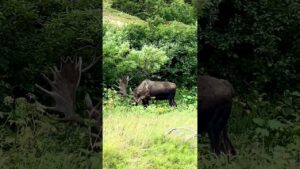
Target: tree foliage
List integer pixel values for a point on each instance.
(36, 34)
(255, 42)
(157, 50)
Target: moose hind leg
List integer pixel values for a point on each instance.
(224, 142)
(172, 102)
(214, 140)
(228, 143)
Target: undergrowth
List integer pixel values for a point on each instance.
(31, 139)
(265, 132)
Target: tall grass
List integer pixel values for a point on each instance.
(134, 137)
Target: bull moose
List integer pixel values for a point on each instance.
(214, 108)
(159, 90)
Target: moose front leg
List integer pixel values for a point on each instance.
(145, 102)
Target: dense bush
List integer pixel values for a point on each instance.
(180, 43)
(169, 50)
(123, 60)
(169, 10)
(36, 34)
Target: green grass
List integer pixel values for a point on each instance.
(134, 137)
(118, 18)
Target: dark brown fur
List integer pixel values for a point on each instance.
(155, 89)
(214, 108)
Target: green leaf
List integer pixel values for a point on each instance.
(259, 121)
(275, 124)
(261, 131)
(295, 93)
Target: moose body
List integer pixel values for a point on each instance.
(158, 90)
(214, 108)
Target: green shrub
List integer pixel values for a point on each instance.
(124, 60)
(172, 10)
(170, 51)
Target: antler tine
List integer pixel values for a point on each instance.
(95, 60)
(48, 80)
(44, 90)
(72, 60)
(54, 74)
(78, 66)
(116, 86)
(76, 60)
(66, 59)
(62, 60)
(56, 70)
(88, 101)
(79, 63)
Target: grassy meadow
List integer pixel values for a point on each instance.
(135, 137)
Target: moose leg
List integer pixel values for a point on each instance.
(172, 102)
(229, 147)
(214, 132)
(224, 142)
(214, 140)
(145, 102)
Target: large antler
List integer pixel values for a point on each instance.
(122, 85)
(64, 85)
